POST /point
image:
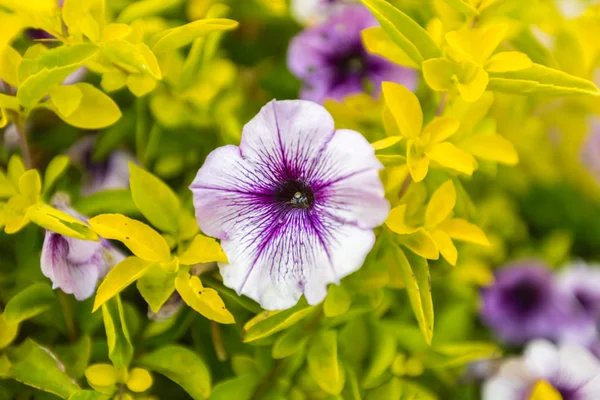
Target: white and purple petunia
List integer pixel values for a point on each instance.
(332, 62)
(74, 265)
(569, 368)
(582, 281)
(525, 303)
(294, 205)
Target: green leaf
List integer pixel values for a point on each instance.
(60, 222)
(8, 332)
(55, 169)
(457, 354)
(95, 111)
(269, 322)
(36, 367)
(142, 240)
(88, 395)
(540, 79)
(289, 342)
(337, 302)
(146, 8)
(182, 35)
(463, 6)
(120, 350)
(240, 388)
(404, 31)
(29, 302)
(182, 366)
(117, 200)
(76, 356)
(59, 58)
(156, 286)
(119, 277)
(415, 273)
(389, 390)
(383, 350)
(323, 364)
(66, 99)
(154, 199)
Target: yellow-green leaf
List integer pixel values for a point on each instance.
(101, 375)
(154, 199)
(415, 272)
(55, 169)
(404, 31)
(113, 80)
(323, 364)
(439, 73)
(3, 118)
(376, 41)
(465, 231)
(65, 98)
(270, 322)
(10, 59)
(120, 350)
(405, 108)
(391, 160)
(492, 148)
(396, 221)
(139, 380)
(16, 214)
(30, 186)
(185, 34)
(156, 287)
(475, 84)
(387, 142)
(476, 44)
(119, 277)
(421, 243)
(289, 342)
(140, 84)
(337, 301)
(28, 303)
(142, 240)
(95, 111)
(508, 61)
(441, 128)
(147, 8)
(116, 31)
(8, 332)
(202, 250)
(445, 245)
(418, 162)
(60, 222)
(206, 301)
(463, 6)
(441, 204)
(449, 156)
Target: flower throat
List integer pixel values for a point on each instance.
(295, 193)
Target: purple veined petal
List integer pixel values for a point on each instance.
(293, 205)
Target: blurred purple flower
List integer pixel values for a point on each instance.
(525, 303)
(111, 173)
(309, 11)
(73, 265)
(332, 62)
(590, 150)
(294, 205)
(582, 281)
(570, 369)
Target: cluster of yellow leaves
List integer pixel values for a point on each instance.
(104, 379)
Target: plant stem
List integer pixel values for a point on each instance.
(20, 126)
(68, 314)
(215, 330)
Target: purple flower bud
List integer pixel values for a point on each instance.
(74, 265)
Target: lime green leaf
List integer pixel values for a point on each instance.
(154, 199)
(66, 99)
(8, 332)
(185, 34)
(113, 80)
(206, 301)
(441, 204)
(418, 162)
(202, 250)
(458, 354)
(140, 85)
(463, 6)
(475, 85)
(508, 61)
(16, 168)
(88, 395)
(493, 148)
(55, 169)
(289, 342)
(323, 364)
(376, 41)
(61, 58)
(120, 350)
(84, 16)
(269, 322)
(16, 214)
(542, 390)
(75, 356)
(9, 102)
(396, 221)
(449, 156)
(540, 79)
(29, 302)
(116, 31)
(240, 388)
(10, 59)
(102, 377)
(30, 186)
(182, 366)
(415, 273)
(119, 277)
(476, 44)
(405, 32)
(382, 353)
(146, 8)
(139, 380)
(465, 231)
(387, 142)
(337, 301)
(117, 200)
(60, 222)
(405, 108)
(445, 245)
(95, 111)
(142, 240)
(156, 286)
(36, 367)
(441, 128)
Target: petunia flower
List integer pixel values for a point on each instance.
(547, 372)
(331, 60)
(439, 227)
(582, 281)
(73, 265)
(525, 303)
(294, 205)
(111, 173)
(310, 11)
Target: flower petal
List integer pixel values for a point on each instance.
(577, 366)
(449, 156)
(541, 358)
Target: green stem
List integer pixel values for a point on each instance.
(68, 314)
(215, 330)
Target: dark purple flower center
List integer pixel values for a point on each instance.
(524, 298)
(567, 393)
(295, 193)
(587, 302)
